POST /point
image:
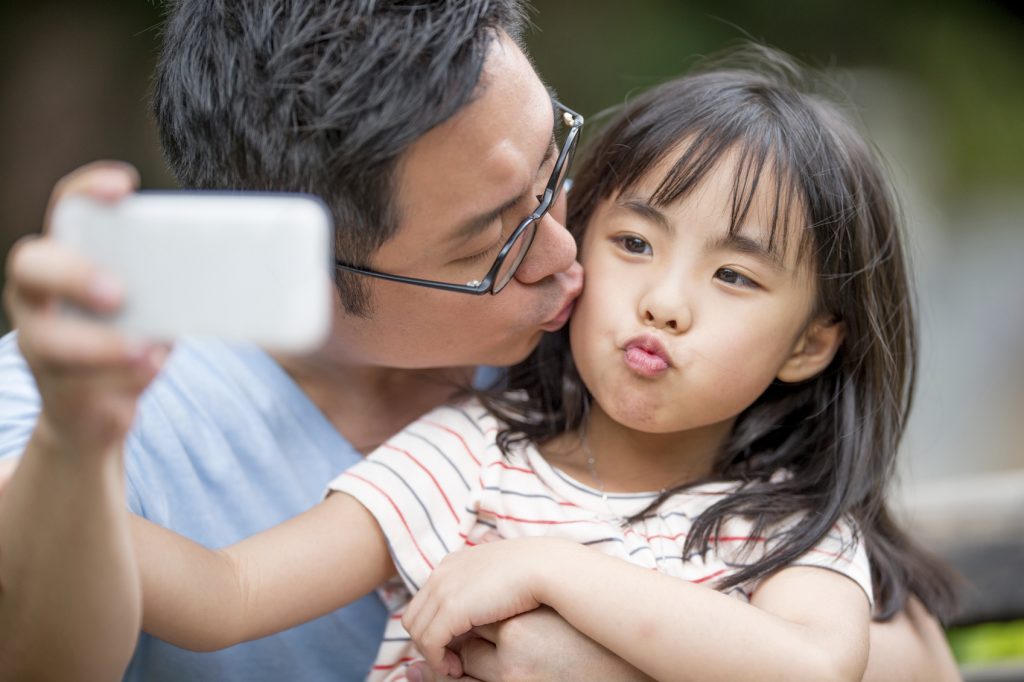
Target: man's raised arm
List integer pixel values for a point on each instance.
(70, 601)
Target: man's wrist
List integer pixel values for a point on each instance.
(55, 443)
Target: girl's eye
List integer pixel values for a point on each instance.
(635, 245)
(730, 276)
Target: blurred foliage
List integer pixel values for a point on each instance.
(966, 57)
(988, 642)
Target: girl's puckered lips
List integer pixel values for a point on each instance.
(646, 355)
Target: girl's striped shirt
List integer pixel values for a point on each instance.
(443, 484)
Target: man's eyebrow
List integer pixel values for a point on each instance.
(737, 242)
(479, 223)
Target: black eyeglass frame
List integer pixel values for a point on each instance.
(487, 284)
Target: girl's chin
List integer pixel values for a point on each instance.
(640, 414)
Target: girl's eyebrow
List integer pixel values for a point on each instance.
(729, 241)
(649, 213)
(732, 241)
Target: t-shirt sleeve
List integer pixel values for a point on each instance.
(19, 399)
(842, 550)
(20, 404)
(423, 485)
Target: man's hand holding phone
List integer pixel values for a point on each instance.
(118, 274)
(89, 375)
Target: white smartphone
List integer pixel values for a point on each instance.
(241, 266)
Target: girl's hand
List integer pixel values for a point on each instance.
(477, 586)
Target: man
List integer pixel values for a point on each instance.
(429, 135)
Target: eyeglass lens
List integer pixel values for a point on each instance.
(521, 246)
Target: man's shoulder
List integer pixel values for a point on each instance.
(219, 381)
(19, 398)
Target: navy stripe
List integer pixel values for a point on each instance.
(594, 493)
(441, 452)
(470, 419)
(480, 521)
(413, 586)
(426, 512)
(513, 493)
(603, 540)
(665, 517)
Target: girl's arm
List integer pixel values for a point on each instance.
(204, 600)
(911, 648)
(803, 623)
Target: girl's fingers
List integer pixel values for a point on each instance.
(452, 664)
(40, 270)
(418, 623)
(433, 636)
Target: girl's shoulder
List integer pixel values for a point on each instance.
(464, 427)
(466, 414)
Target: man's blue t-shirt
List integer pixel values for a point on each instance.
(224, 445)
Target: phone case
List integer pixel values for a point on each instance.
(244, 267)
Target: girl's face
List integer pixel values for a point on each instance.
(681, 326)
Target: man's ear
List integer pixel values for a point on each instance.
(813, 351)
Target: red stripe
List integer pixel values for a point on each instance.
(397, 511)
(509, 467)
(834, 555)
(457, 435)
(407, 659)
(709, 577)
(663, 537)
(546, 522)
(436, 484)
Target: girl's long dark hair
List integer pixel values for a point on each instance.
(836, 434)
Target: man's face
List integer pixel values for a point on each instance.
(496, 153)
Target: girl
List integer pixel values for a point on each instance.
(740, 372)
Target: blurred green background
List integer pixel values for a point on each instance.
(937, 83)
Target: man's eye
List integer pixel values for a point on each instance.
(730, 276)
(483, 255)
(635, 245)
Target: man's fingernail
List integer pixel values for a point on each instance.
(413, 674)
(111, 183)
(136, 350)
(104, 289)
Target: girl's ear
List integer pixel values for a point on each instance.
(813, 351)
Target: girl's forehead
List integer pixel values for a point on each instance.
(758, 197)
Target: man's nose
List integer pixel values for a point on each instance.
(553, 251)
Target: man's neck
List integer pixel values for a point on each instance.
(369, 404)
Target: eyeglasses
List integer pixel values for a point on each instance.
(567, 128)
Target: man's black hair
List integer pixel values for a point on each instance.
(318, 96)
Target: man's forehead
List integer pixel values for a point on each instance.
(481, 160)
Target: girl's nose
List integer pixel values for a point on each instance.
(666, 307)
(553, 251)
